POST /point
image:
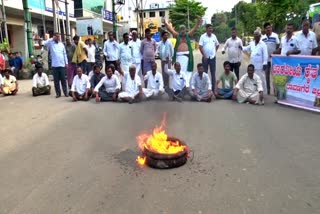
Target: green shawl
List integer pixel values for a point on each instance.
(190, 62)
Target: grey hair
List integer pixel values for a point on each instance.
(134, 31)
(257, 31)
(131, 67)
(182, 27)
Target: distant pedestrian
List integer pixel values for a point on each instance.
(59, 62)
(111, 50)
(272, 41)
(209, 45)
(233, 46)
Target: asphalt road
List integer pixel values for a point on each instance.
(57, 156)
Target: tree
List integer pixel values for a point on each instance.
(220, 24)
(179, 12)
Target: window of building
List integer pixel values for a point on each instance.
(152, 14)
(162, 13)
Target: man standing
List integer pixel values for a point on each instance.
(289, 44)
(59, 62)
(165, 50)
(80, 86)
(249, 88)
(111, 50)
(71, 71)
(148, 51)
(272, 41)
(91, 48)
(258, 56)
(201, 85)
(155, 87)
(133, 90)
(180, 83)
(9, 84)
(111, 87)
(228, 80)
(307, 39)
(209, 45)
(316, 51)
(135, 44)
(40, 82)
(80, 55)
(183, 50)
(234, 46)
(125, 53)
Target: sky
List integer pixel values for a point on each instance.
(218, 5)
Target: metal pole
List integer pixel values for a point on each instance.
(55, 24)
(142, 24)
(27, 19)
(137, 13)
(67, 20)
(43, 19)
(114, 19)
(4, 20)
(188, 17)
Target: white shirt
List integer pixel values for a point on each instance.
(209, 44)
(132, 85)
(1, 79)
(111, 85)
(250, 85)
(259, 54)
(125, 53)
(290, 45)
(201, 85)
(136, 55)
(80, 85)
(234, 52)
(91, 53)
(42, 81)
(111, 50)
(306, 44)
(272, 42)
(165, 50)
(179, 81)
(154, 81)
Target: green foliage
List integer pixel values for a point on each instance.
(179, 12)
(5, 46)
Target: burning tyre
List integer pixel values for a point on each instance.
(160, 151)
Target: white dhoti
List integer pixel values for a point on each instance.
(183, 59)
(262, 75)
(152, 92)
(125, 94)
(243, 96)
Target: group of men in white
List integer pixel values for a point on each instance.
(131, 65)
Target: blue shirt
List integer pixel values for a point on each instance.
(18, 62)
(57, 52)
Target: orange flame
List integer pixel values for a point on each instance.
(158, 142)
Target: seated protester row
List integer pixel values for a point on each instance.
(228, 79)
(201, 85)
(155, 86)
(80, 88)
(132, 91)
(108, 88)
(40, 82)
(179, 83)
(249, 88)
(9, 84)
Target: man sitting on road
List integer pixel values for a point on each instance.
(180, 83)
(40, 82)
(249, 88)
(80, 86)
(96, 78)
(133, 90)
(155, 83)
(9, 84)
(108, 88)
(201, 85)
(228, 79)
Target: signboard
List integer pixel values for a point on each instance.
(89, 27)
(62, 8)
(296, 81)
(107, 15)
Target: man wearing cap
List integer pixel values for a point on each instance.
(258, 56)
(183, 49)
(40, 82)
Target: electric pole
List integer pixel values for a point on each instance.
(114, 20)
(55, 24)
(67, 20)
(4, 20)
